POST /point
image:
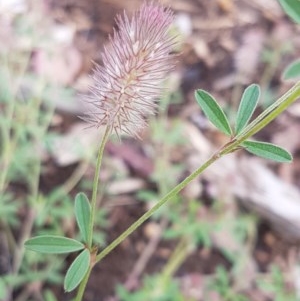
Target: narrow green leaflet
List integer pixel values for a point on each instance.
(83, 214)
(3, 289)
(247, 106)
(213, 111)
(268, 151)
(293, 70)
(77, 270)
(53, 244)
(292, 8)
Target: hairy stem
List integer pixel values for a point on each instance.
(160, 203)
(83, 283)
(95, 186)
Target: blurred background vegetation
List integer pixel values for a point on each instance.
(232, 235)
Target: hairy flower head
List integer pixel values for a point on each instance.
(128, 84)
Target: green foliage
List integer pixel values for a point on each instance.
(23, 133)
(2, 289)
(77, 270)
(292, 9)
(52, 209)
(53, 244)
(24, 122)
(240, 229)
(167, 136)
(83, 214)
(221, 283)
(185, 223)
(292, 71)
(9, 209)
(276, 285)
(268, 151)
(26, 109)
(247, 106)
(50, 271)
(153, 289)
(213, 111)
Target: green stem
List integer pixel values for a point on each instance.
(82, 285)
(261, 121)
(160, 203)
(95, 186)
(177, 258)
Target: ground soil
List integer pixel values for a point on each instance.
(95, 20)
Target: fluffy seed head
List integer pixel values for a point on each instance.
(128, 84)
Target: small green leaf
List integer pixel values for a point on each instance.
(77, 270)
(267, 151)
(213, 111)
(292, 71)
(83, 214)
(3, 289)
(247, 106)
(292, 8)
(53, 244)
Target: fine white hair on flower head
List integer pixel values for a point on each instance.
(128, 84)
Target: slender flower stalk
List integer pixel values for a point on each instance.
(127, 86)
(95, 186)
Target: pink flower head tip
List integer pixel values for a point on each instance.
(128, 84)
